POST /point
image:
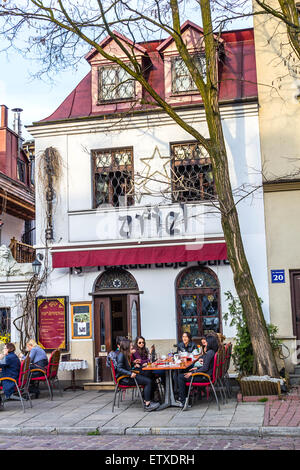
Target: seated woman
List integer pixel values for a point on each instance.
(10, 365)
(142, 356)
(207, 367)
(186, 345)
(124, 367)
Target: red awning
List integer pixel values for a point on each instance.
(139, 255)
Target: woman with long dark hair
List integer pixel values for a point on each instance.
(212, 347)
(125, 367)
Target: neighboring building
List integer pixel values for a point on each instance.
(278, 76)
(135, 239)
(17, 206)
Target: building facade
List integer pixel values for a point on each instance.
(278, 75)
(17, 214)
(136, 244)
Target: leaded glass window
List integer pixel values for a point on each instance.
(181, 77)
(115, 84)
(198, 302)
(192, 175)
(116, 278)
(113, 177)
(197, 278)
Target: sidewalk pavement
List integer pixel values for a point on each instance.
(90, 412)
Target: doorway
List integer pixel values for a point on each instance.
(118, 318)
(116, 313)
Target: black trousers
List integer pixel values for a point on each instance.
(141, 380)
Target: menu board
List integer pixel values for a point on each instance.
(52, 322)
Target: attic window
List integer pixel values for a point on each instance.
(115, 84)
(181, 77)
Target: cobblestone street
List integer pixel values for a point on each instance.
(152, 443)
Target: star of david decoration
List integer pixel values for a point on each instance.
(198, 282)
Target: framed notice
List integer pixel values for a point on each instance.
(51, 320)
(81, 318)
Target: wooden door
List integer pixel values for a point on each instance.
(295, 294)
(102, 333)
(133, 315)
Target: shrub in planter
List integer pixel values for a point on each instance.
(242, 354)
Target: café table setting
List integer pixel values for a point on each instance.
(178, 362)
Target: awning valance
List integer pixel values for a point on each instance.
(139, 255)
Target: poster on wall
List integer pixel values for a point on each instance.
(81, 314)
(51, 320)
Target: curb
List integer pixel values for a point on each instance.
(255, 431)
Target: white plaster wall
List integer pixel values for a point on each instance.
(13, 227)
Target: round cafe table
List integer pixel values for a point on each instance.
(73, 365)
(168, 367)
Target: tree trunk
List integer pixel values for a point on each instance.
(263, 352)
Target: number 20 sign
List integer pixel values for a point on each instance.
(277, 275)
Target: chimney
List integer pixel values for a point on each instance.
(4, 115)
(17, 121)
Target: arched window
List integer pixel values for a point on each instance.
(115, 278)
(198, 302)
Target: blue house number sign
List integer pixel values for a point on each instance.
(277, 275)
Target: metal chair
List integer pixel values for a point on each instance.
(21, 386)
(120, 388)
(49, 375)
(209, 383)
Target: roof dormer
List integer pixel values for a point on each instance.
(179, 85)
(113, 89)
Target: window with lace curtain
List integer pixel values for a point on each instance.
(115, 84)
(181, 77)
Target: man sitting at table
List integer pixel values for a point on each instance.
(207, 368)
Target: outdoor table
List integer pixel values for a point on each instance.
(168, 367)
(72, 365)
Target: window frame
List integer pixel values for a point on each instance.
(8, 321)
(113, 151)
(198, 292)
(21, 162)
(101, 100)
(194, 90)
(172, 166)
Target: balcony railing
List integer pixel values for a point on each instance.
(21, 252)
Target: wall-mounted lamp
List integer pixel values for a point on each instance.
(36, 266)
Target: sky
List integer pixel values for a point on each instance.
(40, 97)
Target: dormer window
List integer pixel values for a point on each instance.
(115, 84)
(182, 81)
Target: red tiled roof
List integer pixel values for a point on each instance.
(237, 76)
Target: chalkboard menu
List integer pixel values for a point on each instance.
(51, 316)
(81, 320)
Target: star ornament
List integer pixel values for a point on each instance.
(156, 172)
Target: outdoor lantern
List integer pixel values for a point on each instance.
(36, 266)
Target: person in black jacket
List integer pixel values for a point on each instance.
(10, 365)
(207, 367)
(186, 345)
(124, 367)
